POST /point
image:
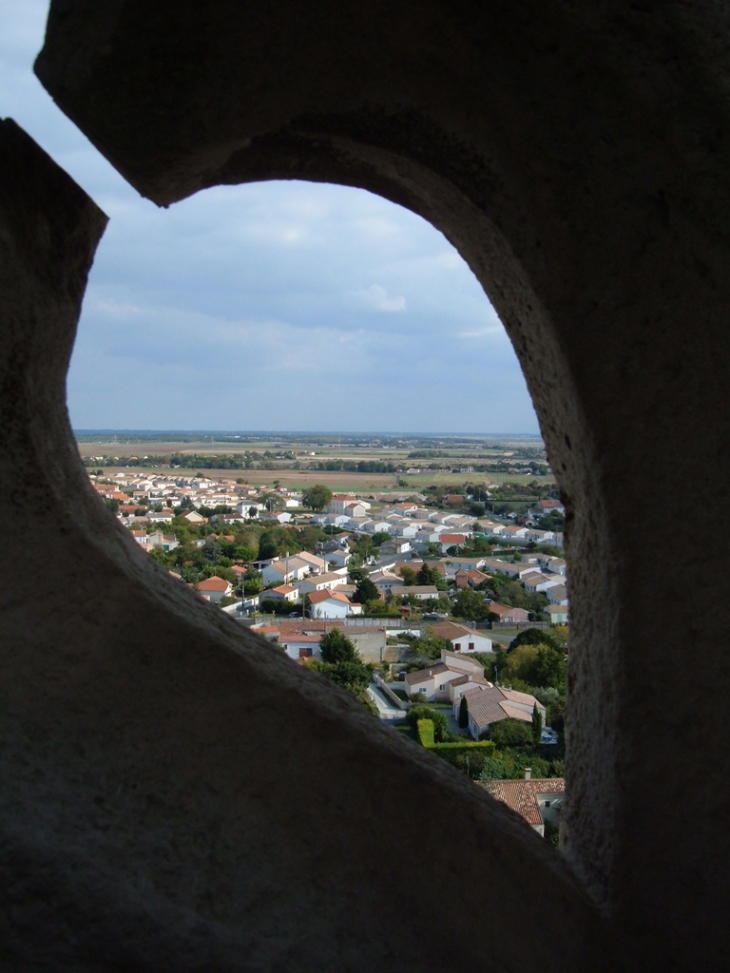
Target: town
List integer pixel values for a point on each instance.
(446, 618)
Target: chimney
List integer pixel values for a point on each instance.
(528, 773)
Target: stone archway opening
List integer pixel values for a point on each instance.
(575, 156)
(370, 292)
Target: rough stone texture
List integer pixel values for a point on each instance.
(577, 156)
(177, 795)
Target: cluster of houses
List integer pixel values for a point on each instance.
(418, 527)
(148, 502)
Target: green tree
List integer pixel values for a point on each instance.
(278, 542)
(470, 604)
(511, 733)
(317, 497)
(336, 647)
(533, 636)
(408, 575)
(463, 713)
(430, 575)
(536, 724)
(366, 591)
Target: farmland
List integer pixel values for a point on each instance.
(341, 461)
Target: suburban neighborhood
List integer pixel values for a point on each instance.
(431, 601)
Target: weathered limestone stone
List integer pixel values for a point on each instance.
(176, 794)
(577, 155)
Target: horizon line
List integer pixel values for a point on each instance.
(299, 432)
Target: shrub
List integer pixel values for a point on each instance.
(426, 732)
(511, 733)
(440, 723)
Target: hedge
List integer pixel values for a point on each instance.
(426, 730)
(451, 752)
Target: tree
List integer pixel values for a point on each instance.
(336, 647)
(463, 713)
(536, 665)
(429, 575)
(408, 575)
(278, 542)
(470, 604)
(317, 497)
(533, 636)
(366, 591)
(536, 724)
(510, 733)
(355, 575)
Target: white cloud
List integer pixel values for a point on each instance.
(252, 306)
(378, 299)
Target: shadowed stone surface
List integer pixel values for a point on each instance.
(178, 795)
(577, 156)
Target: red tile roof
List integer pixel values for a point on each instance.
(522, 795)
(214, 584)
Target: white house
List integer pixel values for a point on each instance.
(284, 592)
(321, 582)
(214, 589)
(340, 503)
(537, 581)
(329, 604)
(490, 704)
(437, 682)
(462, 638)
(340, 558)
(558, 595)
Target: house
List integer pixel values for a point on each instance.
(515, 533)
(435, 683)
(537, 801)
(166, 542)
(463, 638)
(339, 558)
(321, 582)
(543, 507)
(214, 589)
(537, 581)
(386, 582)
(301, 645)
(279, 517)
(284, 592)
(329, 604)
(488, 705)
(465, 578)
(395, 547)
(558, 614)
(278, 572)
(316, 564)
(555, 565)
(421, 592)
(558, 595)
(508, 615)
(160, 516)
(451, 540)
(193, 517)
(460, 562)
(344, 503)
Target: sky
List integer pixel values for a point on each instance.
(286, 306)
